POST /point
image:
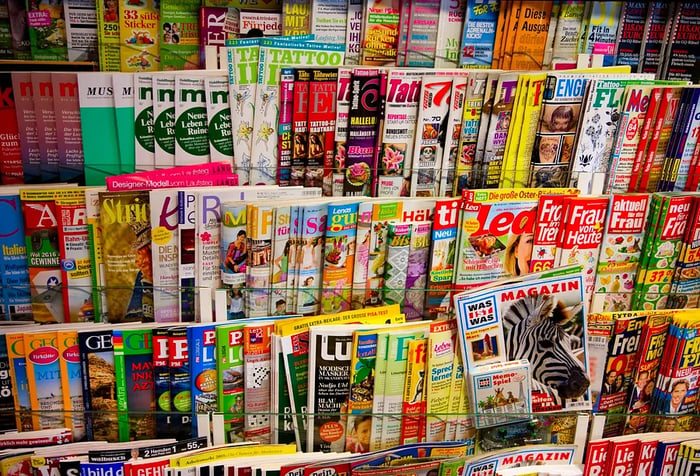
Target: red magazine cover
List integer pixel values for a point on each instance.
(10, 151)
(323, 86)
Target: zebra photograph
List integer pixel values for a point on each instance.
(549, 334)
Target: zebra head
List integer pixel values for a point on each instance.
(534, 331)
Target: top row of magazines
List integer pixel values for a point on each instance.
(152, 35)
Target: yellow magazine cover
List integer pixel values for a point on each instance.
(528, 128)
(531, 36)
(510, 32)
(513, 139)
(44, 378)
(20, 386)
(440, 368)
(71, 381)
(108, 35)
(413, 427)
(139, 25)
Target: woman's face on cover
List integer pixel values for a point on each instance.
(523, 252)
(678, 394)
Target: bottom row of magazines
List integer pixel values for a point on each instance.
(644, 454)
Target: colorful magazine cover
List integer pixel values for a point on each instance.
(339, 257)
(342, 107)
(203, 375)
(165, 255)
(499, 125)
(380, 33)
(133, 365)
(417, 271)
(553, 300)
(366, 96)
(44, 378)
(16, 294)
(164, 119)
(229, 379)
(471, 118)
(300, 126)
(323, 86)
(449, 33)
(442, 257)
(126, 225)
(501, 388)
(479, 33)
(257, 359)
(414, 395)
(42, 88)
(138, 35)
(431, 127)
(438, 382)
(310, 258)
(620, 252)
(396, 155)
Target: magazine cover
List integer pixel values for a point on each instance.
(296, 17)
(599, 120)
(620, 252)
(682, 42)
(99, 384)
(396, 155)
(161, 382)
(496, 234)
(92, 207)
(329, 21)
(310, 259)
(414, 397)
(330, 352)
(452, 135)
(300, 125)
(257, 360)
(377, 397)
(339, 257)
(123, 87)
(581, 237)
(530, 40)
(360, 399)
(366, 95)
(284, 130)
(422, 33)
(219, 118)
(565, 45)
(431, 126)
(556, 131)
(258, 266)
(380, 33)
(229, 379)
(133, 365)
(242, 56)
(551, 211)
(43, 253)
(44, 379)
(438, 381)
(499, 125)
(164, 248)
(363, 234)
(191, 125)
(443, 243)
(164, 119)
(353, 32)
(16, 295)
(323, 86)
(660, 253)
(656, 31)
(17, 359)
(179, 37)
(81, 31)
(629, 131)
(76, 267)
(281, 246)
(11, 148)
(47, 31)
(479, 33)
(138, 36)
(500, 388)
(484, 118)
(71, 382)
(342, 108)
(630, 34)
(417, 271)
(393, 391)
(449, 33)
(544, 303)
(26, 124)
(471, 118)
(201, 340)
(686, 279)
(601, 33)
(234, 255)
(126, 223)
(70, 145)
(180, 379)
(42, 89)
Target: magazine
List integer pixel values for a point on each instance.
(492, 328)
